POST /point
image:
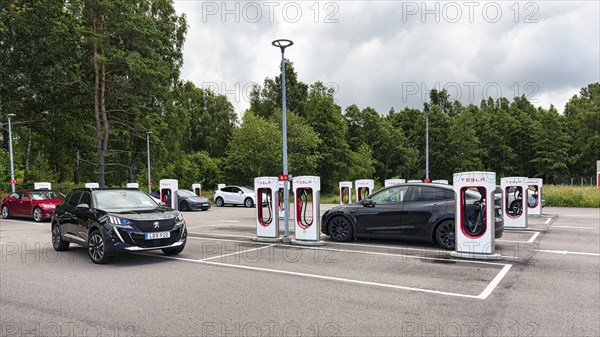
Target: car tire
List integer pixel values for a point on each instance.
(57, 242)
(97, 248)
(340, 229)
(184, 206)
(219, 202)
(38, 215)
(248, 202)
(5, 213)
(516, 208)
(445, 235)
(173, 251)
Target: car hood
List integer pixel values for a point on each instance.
(143, 214)
(194, 199)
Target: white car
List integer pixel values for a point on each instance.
(235, 195)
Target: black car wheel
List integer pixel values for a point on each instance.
(248, 202)
(37, 214)
(219, 202)
(5, 213)
(340, 229)
(516, 208)
(57, 242)
(97, 249)
(444, 234)
(184, 206)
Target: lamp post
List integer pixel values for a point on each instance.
(282, 44)
(148, 150)
(12, 170)
(426, 146)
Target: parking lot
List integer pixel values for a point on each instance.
(225, 284)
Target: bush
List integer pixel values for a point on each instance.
(571, 196)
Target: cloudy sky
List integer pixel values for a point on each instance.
(390, 53)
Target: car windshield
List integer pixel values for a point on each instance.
(45, 195)
(246, 189)
(185, 193)
(123, 199)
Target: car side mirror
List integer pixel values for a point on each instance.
(25, 199)
(240, 192)
(368, 202)
(83, 207)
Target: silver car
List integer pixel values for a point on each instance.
(235, 195)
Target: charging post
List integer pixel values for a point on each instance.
(42, 186)
(197, 189)
(514, 193)
(537, 184)
(345, 191)
(392, 182)
(307, 219)
(92, 185)
(133, 185)
(364, 187)
(168, 192)
(267, 204)
(475, 217)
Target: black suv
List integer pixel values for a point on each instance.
(108, 220)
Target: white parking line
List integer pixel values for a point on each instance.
(548, 221)
(578, 227)
(26, 222)
(229, 221)
(532, 239)
(488, 290)
(566, 252)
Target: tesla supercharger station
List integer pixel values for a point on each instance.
(168, 192)
(42, 186)
(536, 209)
(475, 220)
(440, 181)
(133, 185)
(220, 186)
(280, 201)
(345, 192)
(415, 181)
(513, 191)
(197, 189)
(92, 185)
(267, 214)
(307, 210)
(392, 182)
(363, 188)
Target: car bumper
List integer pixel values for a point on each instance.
(200, 205)
(47, 213)
(133, 240)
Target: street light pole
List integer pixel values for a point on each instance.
(282, 44)
(427, 146)
(148, 150)
(12, 170)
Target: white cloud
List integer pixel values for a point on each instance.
(387, 53)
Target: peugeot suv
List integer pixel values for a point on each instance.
(106, 221)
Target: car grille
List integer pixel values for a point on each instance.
(138, 240)
(148, 226)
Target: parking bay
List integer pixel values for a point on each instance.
(392, 287)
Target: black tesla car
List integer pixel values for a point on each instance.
(418, 211)
(108, 220)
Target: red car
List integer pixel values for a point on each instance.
(38, 204)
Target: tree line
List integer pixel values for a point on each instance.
(87, 79)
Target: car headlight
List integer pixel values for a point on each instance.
(118, 222)
(179, 217)
(46, 206)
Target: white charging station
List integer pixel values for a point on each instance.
(307, 210)
(168, 192)
(415, 181)
(220, 186)
(440, 181)
(42, 186)
(363, 188)
(475, 216)
(267, 213)
(281, 200)
(197, 189)
(392, 182)
(536, 183)
(345, 192)
(92, 185)
(133, 185)
(514, 192)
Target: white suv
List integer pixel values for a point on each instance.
(235, 195)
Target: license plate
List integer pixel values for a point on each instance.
(158, 235)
